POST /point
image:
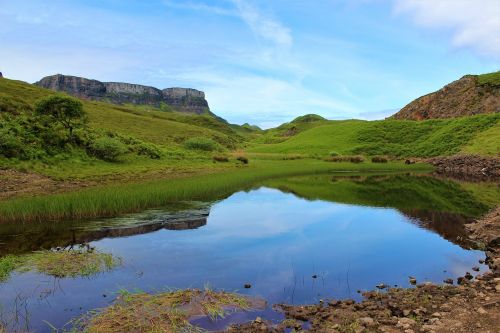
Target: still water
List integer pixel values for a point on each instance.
(294, 240)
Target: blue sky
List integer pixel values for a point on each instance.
(261, 61)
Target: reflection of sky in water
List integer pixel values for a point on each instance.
(274, 241)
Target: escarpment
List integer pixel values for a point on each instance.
(181, 99)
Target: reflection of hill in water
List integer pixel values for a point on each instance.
(32, 237)
(450, 226)
(439, 205)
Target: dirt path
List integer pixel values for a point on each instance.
(471, 306)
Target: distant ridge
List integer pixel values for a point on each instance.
(470, 95)
(180, 99)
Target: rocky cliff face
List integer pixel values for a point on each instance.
(181, 99)
(465, 97)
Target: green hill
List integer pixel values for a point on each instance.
(400, 138)
(140, 128)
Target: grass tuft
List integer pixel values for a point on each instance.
(61, 264)
(164, 312)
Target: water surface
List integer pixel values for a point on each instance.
(294, 240)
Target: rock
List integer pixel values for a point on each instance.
(181, 99)
(481, 310)
(475, 269)
(258, 320)
(405, 323)
(428, 328)
(464, 97)
(448, 281)
(436, 314)
(366, 321)
(406, 312)
(412, 280)
(497, 287)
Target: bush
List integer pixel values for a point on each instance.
(379, 159)
(292, 157)
(201, 143)
(11, 145)
(107, 149)
(242, 159)
(148, 150)
(333, 153)
(218, 158)
(352, 159)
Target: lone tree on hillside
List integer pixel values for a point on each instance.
(65, 110)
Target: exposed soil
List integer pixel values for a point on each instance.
(471, 306)
(14, 183)
(468, 166)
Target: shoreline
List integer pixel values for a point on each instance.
(473, 305)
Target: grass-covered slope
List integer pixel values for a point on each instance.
(149, 138)
(145, 123)
(400, 138)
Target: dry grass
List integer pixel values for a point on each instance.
(164, 312)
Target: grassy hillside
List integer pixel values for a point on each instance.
(477, 134)
(142, 122)
(140, 129)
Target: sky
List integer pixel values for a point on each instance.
(264, 62)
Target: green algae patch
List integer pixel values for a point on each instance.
(163, 312)
(61, 264)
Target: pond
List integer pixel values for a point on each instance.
(296, 240)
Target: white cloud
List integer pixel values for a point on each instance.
(261, 100)
(263, 26)
(474, 24)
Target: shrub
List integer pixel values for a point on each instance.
(356, 159)
(292, 157)
(11, 145)
(201, 143)
(107, 149)
(333, 153)
(379, 159)
(352, 159)
(242, 159)
(148, 149)
(218, 158)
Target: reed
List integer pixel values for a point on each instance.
(113, 200)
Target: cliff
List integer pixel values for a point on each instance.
(181, 99)
(470, 95)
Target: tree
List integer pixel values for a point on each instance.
(65, 110)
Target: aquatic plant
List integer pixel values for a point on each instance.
(61, 264)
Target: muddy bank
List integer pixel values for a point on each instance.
(467, 166)
(468, 304)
